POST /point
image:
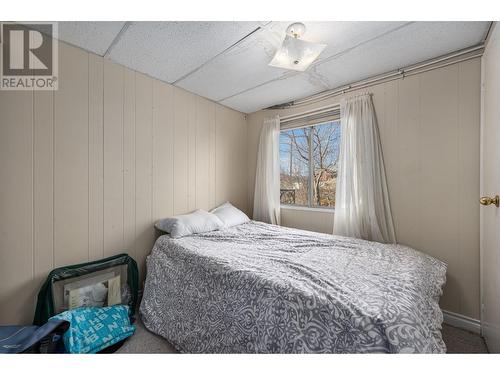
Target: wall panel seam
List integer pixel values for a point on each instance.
(214, 154)
(195, 166)
(459, 188)
(33, 184)
(397, 138)
(88, 157)
(171, 141)
(419, 231)
(153, 166)
(135, 164)
(103, 153)
(53, 178)
(123, 158)
(459, 176)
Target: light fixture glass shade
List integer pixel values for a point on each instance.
(296, 54)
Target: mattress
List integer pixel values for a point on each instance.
(261, 288)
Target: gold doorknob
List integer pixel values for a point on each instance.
(486, 201)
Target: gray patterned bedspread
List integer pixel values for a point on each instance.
(260, 288)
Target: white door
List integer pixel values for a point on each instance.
(490, 189)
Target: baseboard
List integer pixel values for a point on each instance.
(462, 321)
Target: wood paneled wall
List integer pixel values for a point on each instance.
(86, 170)
(429, 127)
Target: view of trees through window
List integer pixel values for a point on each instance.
(308, 163)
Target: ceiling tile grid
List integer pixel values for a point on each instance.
(246, 65)
(242, 67)
(95, 37)
(227, 62)
(170, 50)
(415, 43)
(409, 45)
(278, 91)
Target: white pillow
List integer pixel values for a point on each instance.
(199, 221)
(230, 215)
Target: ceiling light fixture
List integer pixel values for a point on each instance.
(295, 53)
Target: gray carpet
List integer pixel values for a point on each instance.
(144, 341)
(457, 341)
(460, 341)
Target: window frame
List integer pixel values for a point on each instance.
(310, 165)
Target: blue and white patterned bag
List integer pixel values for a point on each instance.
(94, 328)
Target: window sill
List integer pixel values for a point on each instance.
(303, 208)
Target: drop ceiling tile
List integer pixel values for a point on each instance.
(415, 43)
(340, 36)
(241, 78)
(246, 65)
(242, 67)
(275, 92)
(169, 50)
(405, 46)
(95, 37)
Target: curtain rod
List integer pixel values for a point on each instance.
(316, 111)
(328, 108)
(397, 73)
(431, 64)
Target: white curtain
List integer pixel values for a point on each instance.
(362, 207)
(266, 204)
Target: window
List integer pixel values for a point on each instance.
(308, 163)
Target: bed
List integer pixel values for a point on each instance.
(261, 288)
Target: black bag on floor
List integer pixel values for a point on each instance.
(52, 299)
(33, 339)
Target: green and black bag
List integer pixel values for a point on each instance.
(52, 296)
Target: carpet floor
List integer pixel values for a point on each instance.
(457, 341)
(460, 341)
